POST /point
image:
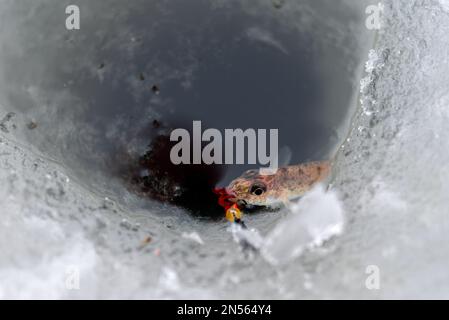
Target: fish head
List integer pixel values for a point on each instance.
(253, 189)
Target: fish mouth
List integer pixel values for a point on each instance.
(249, 207)
(240, 202)
(227, 198)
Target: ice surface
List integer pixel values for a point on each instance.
(391, 177)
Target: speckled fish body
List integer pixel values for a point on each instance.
(253, 188)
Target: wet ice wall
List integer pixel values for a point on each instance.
(393, 171)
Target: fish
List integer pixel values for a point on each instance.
(253, 188)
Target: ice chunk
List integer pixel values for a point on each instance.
(194, 236)
(314, 219)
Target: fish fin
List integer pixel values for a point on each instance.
(284, 159)
(285, 156)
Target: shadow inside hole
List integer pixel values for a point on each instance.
(190, 186)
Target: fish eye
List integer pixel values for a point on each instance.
(258, 189)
